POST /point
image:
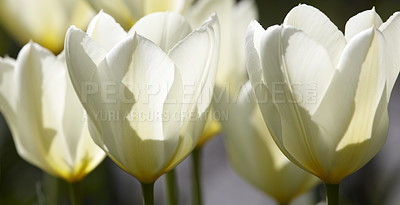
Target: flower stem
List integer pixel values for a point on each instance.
(332, 194)
(148, 193)
(75, 194)
(47, 190)
(172, 194)
(197, 199)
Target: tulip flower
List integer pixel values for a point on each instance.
(324, 95)
(45, 116)
(254, 155)
(43, 21)
(127, 12)
(152, 88)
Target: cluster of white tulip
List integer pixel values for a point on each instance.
(121, 89)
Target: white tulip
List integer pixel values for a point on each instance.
(153, 85)
(324, 95)
(46, 119)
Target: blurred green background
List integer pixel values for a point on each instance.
(376, 183)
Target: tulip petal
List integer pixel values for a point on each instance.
(105, 31)
(390, 30)
(360, 75)
(263, 94)
(37, 138)
(164, 29)
(83, 55)
(360, 22)
(304, 66)
(371, 85)
(293, 65)
(379, 132)
(147, 60)
(344, 84)
(150, 91)
(159, 152)
(8, 98)
(264, 97)
(318, 26)
(378, 135)
(172, 108)
(196, 59)
(253, 63)
(85, 58)
(333, 115)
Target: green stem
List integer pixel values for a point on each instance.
(197, 199)
(148, 193)
(41, 197)
(47, 190)
(75, 194)
(51, 189)
(172, 188)
(332, 194)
